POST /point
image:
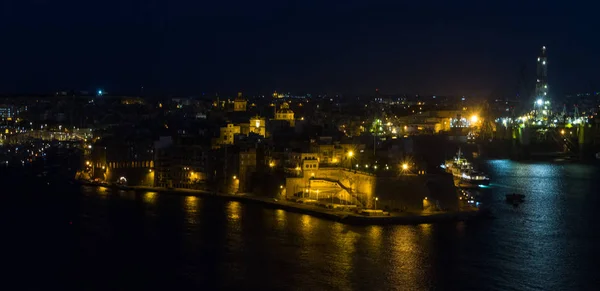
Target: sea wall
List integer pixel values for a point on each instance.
(134, 176)
(401, 193)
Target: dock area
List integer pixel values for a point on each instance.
(331, 212)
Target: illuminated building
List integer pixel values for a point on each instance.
(247, 166)
(112, 158)
(227, 135)
(258, 126)
(239, 104)
(10, 112)
(180, 163)
(330, 153)
(6, 112)
(284, 113)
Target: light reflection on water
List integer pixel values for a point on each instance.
(150, 197)
(543, 244)
(233, 210)
(191, 209)
(280, 217)
(103, 192)
(405, 256)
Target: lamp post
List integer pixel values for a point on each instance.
(350, 155)
(376, 199)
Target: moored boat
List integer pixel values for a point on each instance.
(463, 172)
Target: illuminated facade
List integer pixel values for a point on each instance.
(258, 126)
(247, 166)
(285, 113)
(179, 164)
(6, 112)
(227, 134)
(111, 160)
(10, 112)
(239, 104)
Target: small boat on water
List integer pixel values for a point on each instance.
(515, 198)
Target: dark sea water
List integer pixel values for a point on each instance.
(98, 239)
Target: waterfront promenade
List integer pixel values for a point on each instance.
(344, 216)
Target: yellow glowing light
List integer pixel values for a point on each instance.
(562, 131)
(235, 177)
(271, 164)
(405, 166)
(334, 160)
(474, 118)
(159, 105)
(149, 170)
(150, 197)
(350, 154)
(280, 186)
(190, 202)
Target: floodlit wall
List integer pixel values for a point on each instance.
(405, 193)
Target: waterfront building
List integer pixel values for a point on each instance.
(180, 162)
(131, 159)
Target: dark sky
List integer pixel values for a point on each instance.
(194, 46)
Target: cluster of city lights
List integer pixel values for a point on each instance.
(463, 122)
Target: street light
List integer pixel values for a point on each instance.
(376, 199)
(474, 118)
(405, 166)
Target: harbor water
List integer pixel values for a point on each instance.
(93, 238)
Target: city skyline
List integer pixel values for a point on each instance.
(190, 48)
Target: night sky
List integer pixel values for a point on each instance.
(190, 47)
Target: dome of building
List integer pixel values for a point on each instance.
(285, 108)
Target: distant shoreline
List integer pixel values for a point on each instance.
(345, 217)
